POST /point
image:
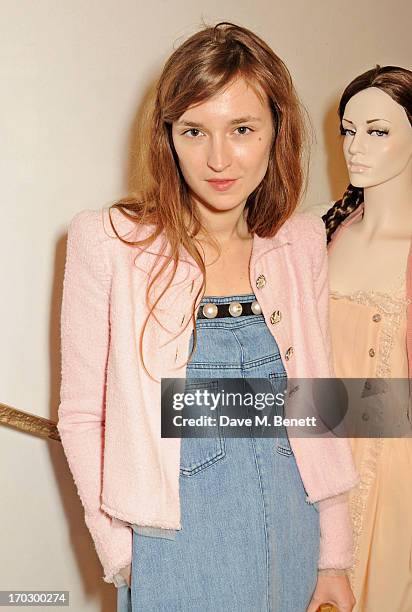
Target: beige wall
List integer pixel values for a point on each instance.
(73, 74)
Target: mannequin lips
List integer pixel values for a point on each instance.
(357, 168)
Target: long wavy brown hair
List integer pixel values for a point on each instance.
(201, 67)
(397, 83)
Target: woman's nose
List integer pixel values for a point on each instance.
(219, 155)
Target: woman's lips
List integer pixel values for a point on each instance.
(221, 185)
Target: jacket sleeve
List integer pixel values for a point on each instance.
(336, 540)
(85, 333)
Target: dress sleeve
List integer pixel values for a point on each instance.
(336, 538)
(85, 333)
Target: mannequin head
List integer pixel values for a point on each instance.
(384, 146)
(377, 138)
(376, 122)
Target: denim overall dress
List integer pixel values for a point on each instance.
(249, 540)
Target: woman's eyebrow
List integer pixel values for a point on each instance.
(245, 119)
(190, 123)
(196, 124)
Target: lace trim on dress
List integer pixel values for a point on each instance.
(359, 497)
(391, 306)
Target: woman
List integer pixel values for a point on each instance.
(370, 309)
(204, 275)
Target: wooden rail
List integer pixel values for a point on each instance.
(29, 423)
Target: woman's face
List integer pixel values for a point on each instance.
(223, 146)
(378, 138)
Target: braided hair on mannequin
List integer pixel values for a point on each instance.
(397, 83)
(351, 199)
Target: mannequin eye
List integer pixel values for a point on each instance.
(378, 132)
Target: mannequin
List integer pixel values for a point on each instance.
(368, 267)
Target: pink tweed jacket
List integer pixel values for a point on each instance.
(109, 412)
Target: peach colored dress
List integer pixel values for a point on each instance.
(369, 341)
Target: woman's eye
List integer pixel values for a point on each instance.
(378, 132)
(192, 133)
(243, 130)
(347, 132)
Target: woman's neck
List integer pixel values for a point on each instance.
(224, 227)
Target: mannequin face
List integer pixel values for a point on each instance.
(378, 138)
(223, 146)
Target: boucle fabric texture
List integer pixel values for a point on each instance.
(109, 412)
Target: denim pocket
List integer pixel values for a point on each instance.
(277, 375)
(197, 454)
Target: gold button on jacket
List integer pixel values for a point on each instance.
(260, 281)
(289, 353)
(275, 317)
